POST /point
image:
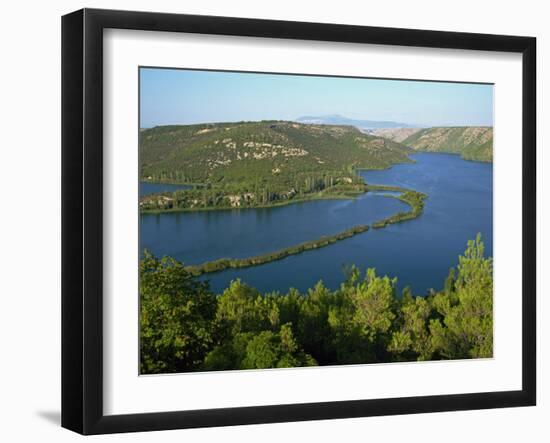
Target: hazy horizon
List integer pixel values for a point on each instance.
(295, 120)
(180, 97)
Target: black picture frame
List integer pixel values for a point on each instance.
(82, 218)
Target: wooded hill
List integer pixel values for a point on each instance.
(472, 142)
(274, 152)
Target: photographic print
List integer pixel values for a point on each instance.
(296, 220)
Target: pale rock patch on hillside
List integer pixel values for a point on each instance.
(395, 134)
(266, 150)
(204, 131)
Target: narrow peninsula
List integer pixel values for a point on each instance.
(230, 166)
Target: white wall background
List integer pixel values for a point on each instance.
(30, 219)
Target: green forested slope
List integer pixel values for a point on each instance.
(277, 152)
(472, 142)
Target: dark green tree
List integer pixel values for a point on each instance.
(467, 327)
(265, 349)
(176, 317)
(241, 308)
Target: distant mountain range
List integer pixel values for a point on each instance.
(367, 125)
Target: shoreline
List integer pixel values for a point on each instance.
(350, 196)
(223, 264)
(410, 197)
(414, 199)
(458, 154)
(318, 196)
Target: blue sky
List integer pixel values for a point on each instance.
(173, 96)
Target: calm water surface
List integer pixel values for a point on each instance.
(418, 252)
(146, 188)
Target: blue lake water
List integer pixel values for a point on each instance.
(146, 188)
(418, 252)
